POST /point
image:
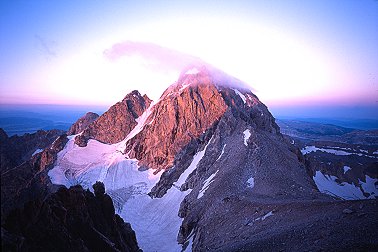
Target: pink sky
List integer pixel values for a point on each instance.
(289, 52)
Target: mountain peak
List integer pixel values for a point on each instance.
(190, 107)
(205, 75)
(116, 123)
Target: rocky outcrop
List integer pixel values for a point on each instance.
(69, 220)
(189, 108)
(17, 149)
(82, 123)
(116, 123)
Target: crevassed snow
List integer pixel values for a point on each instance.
(327, 184)
(153, 219)
(96, 162)
(206, 185)
(192, 71)
(247, 134)
(37, 151)
(346, 168)
(251, 182)
(309, 149)
(156, 221)
(240, 94)
(224, 146)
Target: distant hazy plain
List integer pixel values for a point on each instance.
(21, 119)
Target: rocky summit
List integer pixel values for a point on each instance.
(205, 168)
(114, 125)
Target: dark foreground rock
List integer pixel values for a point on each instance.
(29, 180)
(71, 219)
(16, 149)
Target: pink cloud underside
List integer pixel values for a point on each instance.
(155, 56)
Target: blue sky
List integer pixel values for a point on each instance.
(292, 53)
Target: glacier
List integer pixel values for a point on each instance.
(155, 220)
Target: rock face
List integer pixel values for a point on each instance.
(18, 149)
(69, 220)
(190, 107)
(82, 123)
(116, 123)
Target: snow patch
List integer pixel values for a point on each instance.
(327, 184)
(224, 146)
(184, 86)
(375, 152)
(206, 185)
(141, 122)
(370, 186)
(240, 94)
(251, 182)
(247, 134)
(309, 149)
(190, 238)
(346, 168)
(192, 71)
(265, 216)
(196, 159)
(37, 151)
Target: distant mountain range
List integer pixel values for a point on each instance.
(352, 123)
(21, 119)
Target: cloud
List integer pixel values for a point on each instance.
(165, 60)
(46, 47)
(156, 57)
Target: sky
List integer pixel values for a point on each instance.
(309, 54)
